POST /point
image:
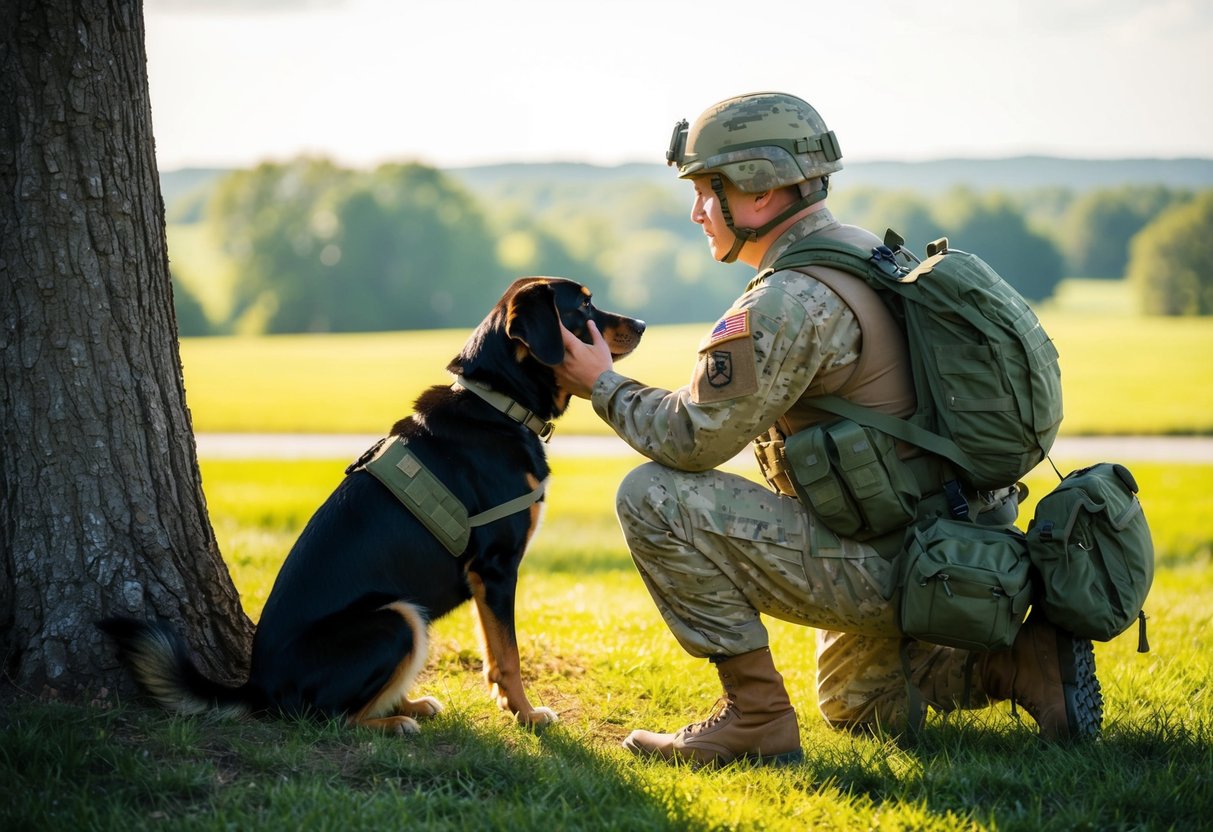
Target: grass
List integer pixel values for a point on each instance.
(362, 383)
(595, 649)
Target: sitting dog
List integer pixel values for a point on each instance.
(344, 631)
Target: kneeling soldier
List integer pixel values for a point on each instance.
(718, 551)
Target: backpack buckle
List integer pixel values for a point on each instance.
(885, 259)
(958, 506)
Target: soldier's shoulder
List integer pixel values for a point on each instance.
(779, 297)
(790, 288)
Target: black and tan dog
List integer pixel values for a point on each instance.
(344, 631)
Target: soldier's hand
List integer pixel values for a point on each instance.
(583, 363)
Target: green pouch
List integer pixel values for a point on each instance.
(1090, 542)
(964, 585)
(422, 493)
(852, 479)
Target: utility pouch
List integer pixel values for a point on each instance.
(964, 585)
(852, 479)
(1090, 542)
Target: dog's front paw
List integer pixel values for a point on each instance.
(398, 725)
(422, 708)
(537, 719)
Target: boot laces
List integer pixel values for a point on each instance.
(720, 711)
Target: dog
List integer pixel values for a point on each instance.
(344, 631)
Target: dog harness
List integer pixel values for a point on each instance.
(392, 463)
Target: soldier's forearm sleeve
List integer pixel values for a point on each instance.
(665, 425)
(783, 350)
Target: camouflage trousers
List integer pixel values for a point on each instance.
(718, 551)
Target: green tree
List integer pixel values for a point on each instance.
(531, 250)
(191, 319)
(994, 229)
(902, 211)
(1171, 260)
(410, 249)
(1101, 224)
(275, 221)
(319, 248)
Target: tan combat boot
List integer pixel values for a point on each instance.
(753, 721)
(1050, 673)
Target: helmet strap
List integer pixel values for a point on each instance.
(741, 236)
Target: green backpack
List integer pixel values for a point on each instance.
(1091, 547)
(985, 373)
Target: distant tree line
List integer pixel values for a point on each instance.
(317, 247)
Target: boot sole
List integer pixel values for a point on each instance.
(787, 758)
(1084, 699)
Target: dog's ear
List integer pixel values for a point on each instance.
(531, 318)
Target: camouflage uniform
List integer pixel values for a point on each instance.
(717, 551)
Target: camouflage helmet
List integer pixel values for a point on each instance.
(759, 142)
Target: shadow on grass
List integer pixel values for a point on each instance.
(74, 767)
(1156, 776)
(128, 768)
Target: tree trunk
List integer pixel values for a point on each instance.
(101, 504)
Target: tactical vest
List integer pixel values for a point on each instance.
(879, 378)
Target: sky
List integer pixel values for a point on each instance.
(465, 82)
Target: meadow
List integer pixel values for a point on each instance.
(1122, 373)
(595, 649)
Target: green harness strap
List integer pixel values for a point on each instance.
(393, 464)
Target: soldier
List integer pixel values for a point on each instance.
(717, 551)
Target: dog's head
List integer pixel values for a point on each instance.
(536, 306)
(516, 346)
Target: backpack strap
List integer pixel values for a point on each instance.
(900, 428)
(826, 252)
(878, 266)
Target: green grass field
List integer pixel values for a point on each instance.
(595, 650)
(1122, 374)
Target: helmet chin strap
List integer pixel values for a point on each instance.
(741, 236)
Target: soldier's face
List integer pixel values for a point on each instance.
(707, 213)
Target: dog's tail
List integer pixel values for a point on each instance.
(159, 660)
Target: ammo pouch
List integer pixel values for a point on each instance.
(852, 479)
(964, 585)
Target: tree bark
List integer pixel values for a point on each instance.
(101, 504)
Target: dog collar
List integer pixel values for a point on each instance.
(542, 428)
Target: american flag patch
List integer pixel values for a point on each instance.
(732, 325)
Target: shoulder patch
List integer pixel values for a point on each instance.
(734, 324)
(727, 368)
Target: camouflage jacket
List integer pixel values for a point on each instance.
(756, 362)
